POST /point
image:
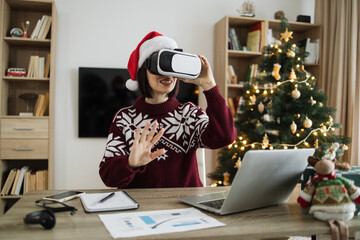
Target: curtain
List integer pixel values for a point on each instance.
(340, 65)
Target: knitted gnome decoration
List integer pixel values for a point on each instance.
(330, 196)
(151, 43)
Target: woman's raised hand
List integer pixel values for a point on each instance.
(141, 154)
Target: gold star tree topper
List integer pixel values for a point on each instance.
(286, 35)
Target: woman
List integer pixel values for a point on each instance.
(153, 143)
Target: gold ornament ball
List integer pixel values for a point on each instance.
(295, 93)
(290, 54)
(307, 123)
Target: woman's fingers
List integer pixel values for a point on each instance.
(157, 136)
(144, 132)
(137, 135)
(157, 153)
(152, 131)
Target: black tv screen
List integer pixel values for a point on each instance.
(102, 93)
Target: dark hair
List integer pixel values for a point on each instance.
(144, 86)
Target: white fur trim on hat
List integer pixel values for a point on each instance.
(154, 44)
(132, 85)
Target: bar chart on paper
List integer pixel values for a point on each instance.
(123, 225)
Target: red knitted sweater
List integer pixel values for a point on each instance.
(187, 128)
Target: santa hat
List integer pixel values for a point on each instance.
(151, 43)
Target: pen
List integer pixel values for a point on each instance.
(107, 197)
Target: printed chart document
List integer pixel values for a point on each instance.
(119, 201)
(125, 225)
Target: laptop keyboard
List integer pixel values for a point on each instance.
(217, 204)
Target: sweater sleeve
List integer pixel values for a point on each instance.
(220, 131)
(114, 169)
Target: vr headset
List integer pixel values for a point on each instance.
(174, 63)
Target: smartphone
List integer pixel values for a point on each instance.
(64, 196)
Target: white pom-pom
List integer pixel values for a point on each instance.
(132, 85)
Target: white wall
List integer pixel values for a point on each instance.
(102, 33)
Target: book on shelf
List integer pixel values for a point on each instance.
(234, 39)
(253, 41)
(231, 73)
(15, 182)
(47, 66)
(270, 37)
(42, 28)
(36, 29)
(9, 182)
(252, 73)
(230, 43)
(256, 39)
(42, 104)
(231, 106)
(39, 67)
(45, 105)
(39, 104)
(20, 181)
(312, 47)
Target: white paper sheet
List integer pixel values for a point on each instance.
(124, 225)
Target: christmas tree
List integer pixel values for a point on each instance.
(281, 108)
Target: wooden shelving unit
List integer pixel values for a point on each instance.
(25, 141)
(241, 60)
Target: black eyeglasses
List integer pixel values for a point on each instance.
(55, 206)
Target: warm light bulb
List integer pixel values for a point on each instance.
(242, 148)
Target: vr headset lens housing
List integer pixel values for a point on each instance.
(174, 63)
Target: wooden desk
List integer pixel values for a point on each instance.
(272, 222)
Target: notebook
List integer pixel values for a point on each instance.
(265, 178)
(119, 201)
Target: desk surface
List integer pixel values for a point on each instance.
(272, 222)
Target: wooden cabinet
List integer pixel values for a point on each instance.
(25, 140)
(240, 60)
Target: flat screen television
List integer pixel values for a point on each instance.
(102, 93)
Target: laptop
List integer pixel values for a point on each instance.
(265, 178)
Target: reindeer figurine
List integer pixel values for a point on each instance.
(330, 197)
